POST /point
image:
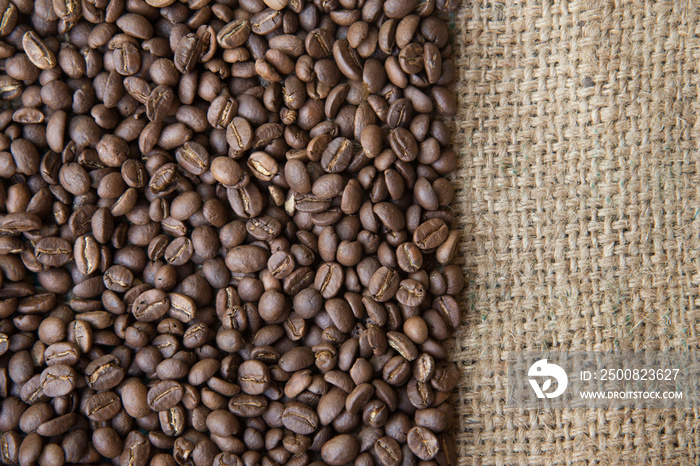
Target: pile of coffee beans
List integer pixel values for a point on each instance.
(225, 232)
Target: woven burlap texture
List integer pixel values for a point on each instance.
(578, 135)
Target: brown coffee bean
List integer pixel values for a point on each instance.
(187, 53)
(384, 284)
(341, 449)
(329, 279)
(396, 371)
(388, 451)
(58, 380)
(117, 278)
(104, 373)
(262, 166)
(248, 405)
(10, 447)
(430, 234)
(336, 157)
(234, 34)
(37, 52)
(107, 442)
(193, 157)
(246, 259)
(136, 449)
(53, 251)
(103, 406)
(222, 111)
(226, 171)
(300, 418)
(151, 305)
(112, 150)
(159, 103)
(9, 14)
(253, 377)
(347, 60)
(164, 395)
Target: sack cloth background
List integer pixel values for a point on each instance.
(579, 188)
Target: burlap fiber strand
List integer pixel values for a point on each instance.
(578, 134)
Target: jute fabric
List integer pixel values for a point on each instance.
(579, 202)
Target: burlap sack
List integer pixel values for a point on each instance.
(580, 197)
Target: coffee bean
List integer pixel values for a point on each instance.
(103, 406)
(336, 157)
(410, 293)
(37, 52)
(9, 13)
(234, 34)
(222, 111)
(107, 442)
(296, 359)
(188, 51)
(164, 395)
(430, 234)
(384, 284)
(10, 447)
(248, 405)
(53, 251)
(193, 157)
(104, 373)
(300, 418)
(253, 377)
(388, 451)
(117, 278)
(341, 449)
(151, 305)
(136, 449)
(246, 259)
(58, 380)
(57, 426)
(159, 102)
(112, 150)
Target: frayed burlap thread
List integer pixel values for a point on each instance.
(579, 188)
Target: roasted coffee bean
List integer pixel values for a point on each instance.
(58, 380)
(388, 451)
(384, 284)
(164, 395)
(117, 278)
(10, 447)
(248, 405)
(103, 406)
(246, 259)
(234, 34)
(193, 157)
(187, 53)
(107, 442)
(37, 52)
(340, 450)
(151, 306)
(430, 234)
(253, 377)
(300, 418)
(337, 155)
(104, 373)
(136, 449)
(53, 251)
(159, 102)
